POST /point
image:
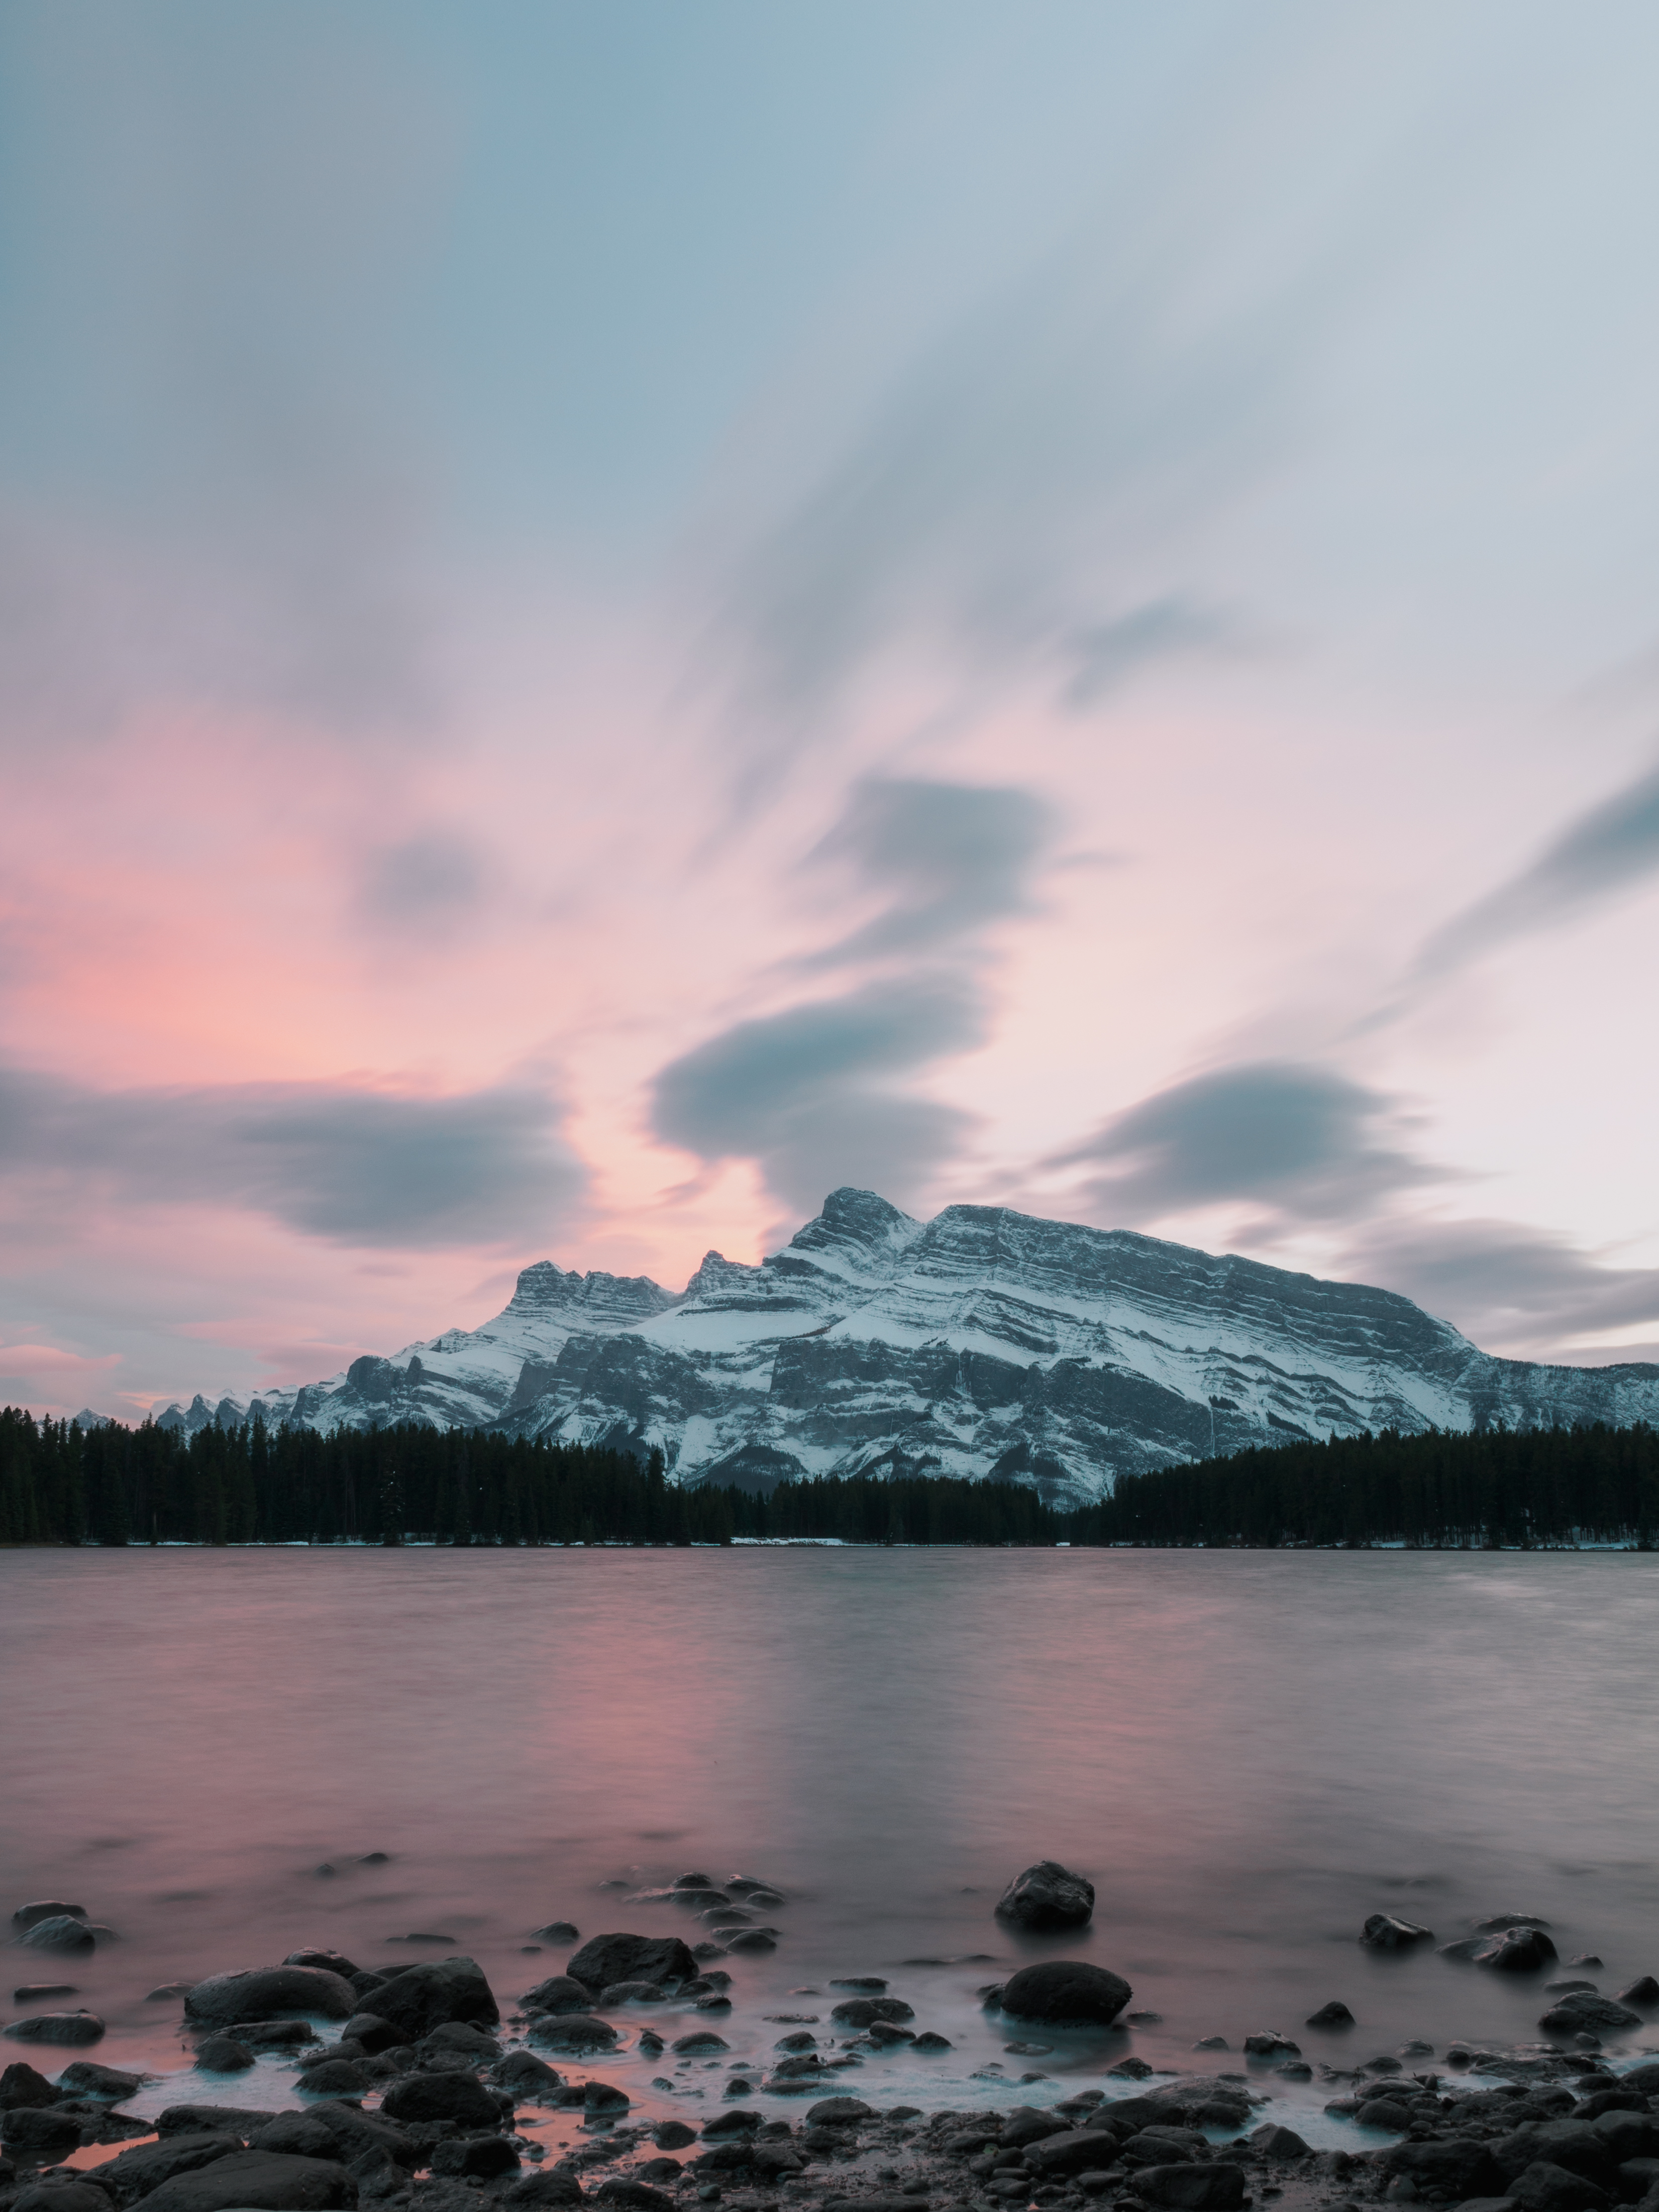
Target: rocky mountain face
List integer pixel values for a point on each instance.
(984, 1342)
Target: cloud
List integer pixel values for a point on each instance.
(350, 1165)
(1528, 1290)
(808, 1092)
(955, 856)
(1105, 654)
(429, 881)
(1607, 851)
(1305, 1143)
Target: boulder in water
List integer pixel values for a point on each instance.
(223, 2054)
(1581, 2012)
(52, 1908)
(257, 2181)
(1383, 1931)
(63, 2028)
(1064, 1992)
(426, 1996)
(1333, 2014)
(623, 1958)
(267, 1993)
(421, 2097)
(60, 1931)
(1047, 1896)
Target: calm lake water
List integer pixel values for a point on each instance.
(1245, 1753)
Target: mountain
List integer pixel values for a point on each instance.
(983, 1342)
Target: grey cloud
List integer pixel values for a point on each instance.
(1105, 654)
(808, 1093)
(354, 1166)
(955, 857)
(1608, 850)
(434, 879)
(1526, 1290)
(1296, 1139)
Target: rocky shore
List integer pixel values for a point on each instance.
(414, 2094)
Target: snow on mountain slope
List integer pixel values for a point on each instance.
(983, 1342)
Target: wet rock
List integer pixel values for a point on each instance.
(1628, 2135)
(268, 1992)
(1270, 2043)
(861, 2011)
(335, 2077)
(475, 2157)
(332, 1962)
(1516, 1951)
(64, 2029)
(1333, 2014)
(735, 2123)
(53, 1908)
(1134, 2069)
(1210, 2187)
(1278, 2142)
(1047, 1896)
(573, 2031)
(1061, 1991)
(558, 1993)
(1455, 2169)
(168, 1989)
(634, 2196)
(1546, 2188)
(456, 2097)
(708, 1950)
(551, 2187)
(1582, 2011)
(1083, 2150)
(223, 2054)
(262, 2181)
(930, 2041)
(870, 1986)
(1384, 1932)
(371, 2032)
(38, 2134)
(838, 2112)
(672, 2135)
(749, 1941)
(461, 2035)
(706, 2040)
(335, 2131)
(621, 1993)
(40, 1993)
(1643, 1990)
(1386, 2112)
(604, 1959)
(21, 2087)
(365, 1978)
(85, 2078)
(427, 1996)
(55, 2195)
(59, 1933)
(134, 2173)
(558, 1932)
(692, 1881)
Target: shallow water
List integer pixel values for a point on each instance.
(1247, 1753)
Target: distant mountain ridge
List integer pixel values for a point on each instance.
(984, 1342)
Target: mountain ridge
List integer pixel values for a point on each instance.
(983, 1342)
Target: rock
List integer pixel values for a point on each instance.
(209, 2119)
(559, 1993)
(526, 2075)
(706, 2041)
(60, 1934)
(636, 2195)
(372, 2032)
(423, 1998)
(1083, 2150)
(748, 1941)
(462, 2035)
(1455, 2169)
(622, 1958)
(457, 2097)
(861, 2011)
(1278, 2143)
(573, 2031)
(66, 2029)
(1517, 1951)
(335, 2131)
(838, 2112)
(168, 1989)
(1581, 2010)
(1024, 2127)
(1568, 2143)
(1644, 2078)
(35, 1993)
(1046, 1896)
(1383, 1932)
(549, 2188)
(1500, 1921)
(1628, 2135)
(85, 2077)
(332, 1962)
(1333, 2014)
(76, 2195)
(1643, 1990)
(20, 2085)
(38, 2133)
(262, 2181)
(735, 2123)
(621, 1993)
(136, 2173)
(480, 2157)
(31, 1915)
(869, 1985)
(267, 1993)
(1387, 2113)
(932, 2042)
(335, 2077)
(1546, 2188)
(1209, 2188)
(558, 1932)
(223, 2054)
(1270, 2043)
(274, 2034)
(1062, 1991)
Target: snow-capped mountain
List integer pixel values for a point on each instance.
(983, 1342)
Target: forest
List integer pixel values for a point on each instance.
(114, 1484)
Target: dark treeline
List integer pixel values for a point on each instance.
(62, 1485)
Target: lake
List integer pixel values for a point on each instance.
(1247, 1753)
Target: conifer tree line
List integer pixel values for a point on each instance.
(113, 1485)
